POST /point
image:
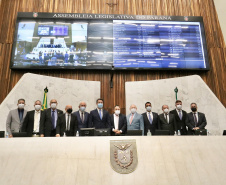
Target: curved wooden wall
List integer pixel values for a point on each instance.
(215, 78)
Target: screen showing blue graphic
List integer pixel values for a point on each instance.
(158, 44)
(52, 30)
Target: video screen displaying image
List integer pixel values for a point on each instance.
(49, 44)
(53, 30)
(109, 44)
(158, 44)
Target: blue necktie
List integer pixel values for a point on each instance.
(180, 116)
(150, 120)
(53, 120)
(21, 115)
(100, 114)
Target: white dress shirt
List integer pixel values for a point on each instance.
(116, 122)
(98, 110)
(66, 116)
(197, 117)
(167, 117)
(180, 111)
(37, 116)
(150, 115)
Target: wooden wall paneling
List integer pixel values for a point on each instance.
(5, 72)
(215, 78)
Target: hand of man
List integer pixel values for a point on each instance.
(115, 131)
(10, 136)
(57, 135)
(118, 132)
(42, 135)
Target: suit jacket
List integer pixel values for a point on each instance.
(171, 126)
(190, 122)
(181, 124)
(61, 125)
(46, 122)
(148, 126)
(98, 123)
(28, 124)
(137, 123)
(86, 120)
(122, 124)
(13, 123)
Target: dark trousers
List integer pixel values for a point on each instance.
(53, 133)
(183, 132)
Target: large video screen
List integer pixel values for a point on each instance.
(109, 44)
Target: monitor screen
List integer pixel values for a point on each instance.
(97, 42)
(158, 44)
(52, 30)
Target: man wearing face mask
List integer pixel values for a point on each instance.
(135, 121)
(180, 116)
(49, 120)
(118, 122)
(15, 118)
(67, 123)
(82, 116)
(151, 119)
(167, 120)
(32, 120)
(195, 120)
(99, 118)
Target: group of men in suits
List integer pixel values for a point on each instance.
(53, 122)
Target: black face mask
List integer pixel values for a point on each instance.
(69, 111)
(193, 109)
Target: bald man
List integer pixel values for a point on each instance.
(49, 120)
(67, 123)
(135, 121)
(167, 120)
(82, 116)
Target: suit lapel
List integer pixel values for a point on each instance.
(97, 113)
(79, 117)
(16, 113)
(198, 118)
(177, 114)
(164, 119)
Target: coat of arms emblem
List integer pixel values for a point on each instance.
(123, 156)
(35, 14)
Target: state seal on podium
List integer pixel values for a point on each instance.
(123, 156)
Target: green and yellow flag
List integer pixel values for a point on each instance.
(44, 104)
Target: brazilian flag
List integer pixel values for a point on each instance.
(44, 104)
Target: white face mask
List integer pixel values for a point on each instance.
(117, 112)
(21, 106)
(179, 107)
(38, 107)
(148, 108)
(133, 110)
(166, 110)
(53, 105)
(82, 109)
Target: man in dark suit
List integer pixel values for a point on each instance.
(31, 122)
(82, 116)
(67, 123)
(167, 120)
(151, 119)
(195, 120)
(99, 118)
(49, 120)
(180, 116)
(118, 122)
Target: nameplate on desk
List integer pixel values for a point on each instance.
(123, 155)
